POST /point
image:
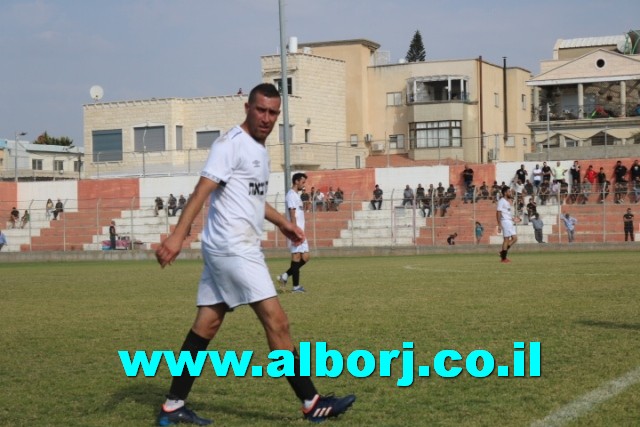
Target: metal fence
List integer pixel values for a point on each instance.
(84, 224)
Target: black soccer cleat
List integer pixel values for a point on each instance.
(182, 415)
(328, 406)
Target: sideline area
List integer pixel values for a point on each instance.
(142, 255)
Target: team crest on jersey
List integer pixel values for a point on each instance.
(256, 163)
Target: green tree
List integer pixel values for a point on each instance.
(45, 139)
(416, 52)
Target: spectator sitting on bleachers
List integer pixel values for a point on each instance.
(439, 190)
(329, 199)
(620, 192)
(564, 192)
(604, 192)
(585, 191)
(544, 192)
(528, 189)
(636, 190)
(420, 195)
(58, 210)
(181, 204)
(495, 192)
(305, 198)
(484, 191)
(172, 205)
(318, 200)
(469, 194)
(3, 240)
(338, 198)
(26, 217)
(407, 196)
(158, 205)
(451, 192)
(14, 217)
(425, 207)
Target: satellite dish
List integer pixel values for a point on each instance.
(96, 92)
(622, 45)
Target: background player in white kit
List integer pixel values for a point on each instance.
(506, 223)
(299, 251)
(236, 177)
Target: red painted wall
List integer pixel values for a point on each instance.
(8, 199)
(113, 193)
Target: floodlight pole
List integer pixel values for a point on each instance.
(285, 98)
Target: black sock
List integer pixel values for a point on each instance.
(302, 386)
(292, 268)
(296, 273)
(181, 386)
(503, 254)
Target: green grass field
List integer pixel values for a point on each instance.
(63, 323)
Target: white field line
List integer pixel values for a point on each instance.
(589, 401)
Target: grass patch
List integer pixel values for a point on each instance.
(63, 323)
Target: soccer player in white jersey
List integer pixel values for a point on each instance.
(506, 222)
(235, 178)
(299, 251)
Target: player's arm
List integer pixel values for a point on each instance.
(498, 217)
(289, 229)
(171, 246)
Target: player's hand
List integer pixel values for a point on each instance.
(516, 219)
(293, 233)
(168, 250)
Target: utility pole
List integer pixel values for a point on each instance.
(15, 153)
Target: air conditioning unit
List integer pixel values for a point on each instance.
(492, 154)
(377, 146)
(368, 138)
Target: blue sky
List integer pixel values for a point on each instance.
(53, 51)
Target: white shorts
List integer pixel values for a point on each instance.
(234, 280)
(300, 249)
(508, 228)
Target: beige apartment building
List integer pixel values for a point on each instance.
(347, 102)
(587, 99)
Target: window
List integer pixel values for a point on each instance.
(524, 142)
(36, 164)
(510, 141)
(394, 98)
(357, 162)
(353, 140)
(205, 139)
(396, 141)
(447, 133)
(281, 134)
(307, 135)
(77, 166)
(278, 84)
(496, 99)
(523, 100)
(178, 137)
(58, 165)
(107, 145)
(571, 143)
(149, 138)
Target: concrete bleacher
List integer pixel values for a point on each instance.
(384, 227)
(17, 237)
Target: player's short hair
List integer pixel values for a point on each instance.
(504, 189)
(266, 89)
(297, 177)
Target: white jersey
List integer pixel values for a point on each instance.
(504, 207)
(237, 207)
(293, 201)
